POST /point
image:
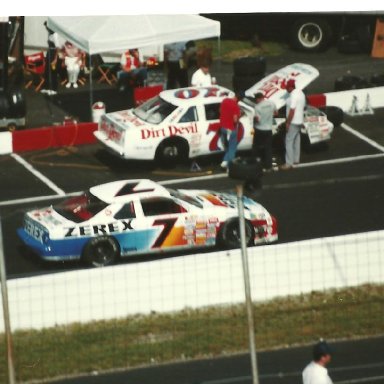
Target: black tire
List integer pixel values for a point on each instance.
(348, 44)
(347, 82)
(249, 66)
(310, 35)
(172, 151)
(245, 168)
(334, 114)
(229, 235)
(101, 251)
(242, 83)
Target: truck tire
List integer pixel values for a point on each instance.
(246, 168)
(348, 44)
(310, 35)
(249, 66)
(242, 83)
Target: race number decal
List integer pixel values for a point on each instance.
(215, 128)
(167, 227)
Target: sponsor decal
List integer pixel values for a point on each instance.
(100, 229)
(172, 130)
(276, 83)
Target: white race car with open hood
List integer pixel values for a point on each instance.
(184, 123)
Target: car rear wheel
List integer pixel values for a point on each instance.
(334, 114)
(172, 151)
(229, 236)
(101, 251)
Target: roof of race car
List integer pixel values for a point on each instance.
(126, 190)
(196, 95)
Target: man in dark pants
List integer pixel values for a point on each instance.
(176, 65)
(265, 110)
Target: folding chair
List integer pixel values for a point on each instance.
(107, 75)
(35, 65)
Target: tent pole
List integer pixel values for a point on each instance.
(90, 84)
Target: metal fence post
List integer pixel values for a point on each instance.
(7, 323)
(247, 286)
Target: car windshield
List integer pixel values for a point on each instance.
(154, 111)
(312, 111)
(188, 199)
(80, 208)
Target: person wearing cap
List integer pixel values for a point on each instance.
(265, 110)
(316, 372)
(294, 122)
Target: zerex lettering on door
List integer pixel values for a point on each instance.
(99, 229)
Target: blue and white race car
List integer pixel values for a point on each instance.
(133, 217)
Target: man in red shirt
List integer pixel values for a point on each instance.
(229, 121)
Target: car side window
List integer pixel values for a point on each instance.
(212, 111)
(160, 206)
(127, 211)
(190, 115)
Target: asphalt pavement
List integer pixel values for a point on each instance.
(357, 361)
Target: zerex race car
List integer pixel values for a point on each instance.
(184, 123)
(133, 217)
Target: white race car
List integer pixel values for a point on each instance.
(184, 123)
(140, 217)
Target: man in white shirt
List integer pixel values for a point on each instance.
(295, 119)
(202, 77)
(316, 372)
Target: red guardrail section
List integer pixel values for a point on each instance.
(317, 100)
(54, 136)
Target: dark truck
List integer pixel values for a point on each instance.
(353, 32)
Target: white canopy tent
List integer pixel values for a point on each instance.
(103, 34)
(100, 34)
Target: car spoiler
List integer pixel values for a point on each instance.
(274, 85)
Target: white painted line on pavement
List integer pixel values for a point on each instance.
(342, 160)
(38, 174)
(362, 137)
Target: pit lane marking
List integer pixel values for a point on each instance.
(38, 174)
(362, 137)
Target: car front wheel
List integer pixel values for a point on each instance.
(101, 251)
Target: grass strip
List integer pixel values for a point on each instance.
(194, 333)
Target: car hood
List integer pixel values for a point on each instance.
(273, 85)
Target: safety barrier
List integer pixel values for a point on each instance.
(195, 281)
(47, 137)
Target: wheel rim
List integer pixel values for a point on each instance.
(310, 35)
(103, 253)
(233, 234)
(171, 152)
